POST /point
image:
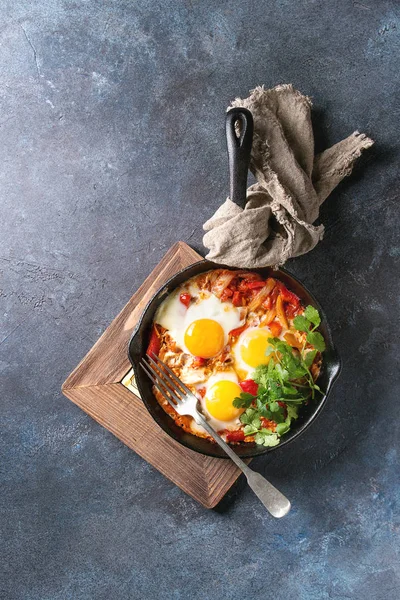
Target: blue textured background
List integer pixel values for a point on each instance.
(112, 148)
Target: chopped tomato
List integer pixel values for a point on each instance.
(237, 299)
(202, 391)
(227, 293)
(233, 284)
(235, 436)
(268, 424)
(291, 310)
(275, 328)
(288, 296)
(185, 299)
(154, 343)
(237, 331)
(255, 285)
(247, 284)
(249, 386)
(199, 361)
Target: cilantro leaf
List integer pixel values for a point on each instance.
(266, 431)
(260, 375)
(283, 374)
(315, 339)
(271, 366)
(282, 428)
(312, 315)
(290, 390)
(243, 401)
(301, 323)
(262, 392)
(294, 366)
(278, 416)
(292, 411)
(262, 409)
(271, 440)
(259, 438)
(247, 417)
(309, 358)
(250, 430)
(244, 419)
(267, 438)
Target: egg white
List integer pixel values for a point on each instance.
(176, 318)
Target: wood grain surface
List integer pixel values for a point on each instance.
(95, 385)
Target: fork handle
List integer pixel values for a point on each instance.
(274, 501)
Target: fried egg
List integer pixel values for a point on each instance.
(202, 328)
(221, 389)
(250, 350)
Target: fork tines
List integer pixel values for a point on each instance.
(165, 380)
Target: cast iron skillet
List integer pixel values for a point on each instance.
(239, 156)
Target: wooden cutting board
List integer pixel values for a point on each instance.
(102, 386)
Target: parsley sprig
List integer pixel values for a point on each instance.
(309, 321)
(284, 384)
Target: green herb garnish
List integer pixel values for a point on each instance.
(283, 385)
(309, 321)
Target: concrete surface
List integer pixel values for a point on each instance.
(112, 148)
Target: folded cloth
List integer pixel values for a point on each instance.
(277, 221)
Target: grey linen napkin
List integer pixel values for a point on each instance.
(277, 221)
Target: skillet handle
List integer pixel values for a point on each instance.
(239, 149)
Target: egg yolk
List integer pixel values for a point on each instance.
(254, 346)
(219, 400)
(204, 338)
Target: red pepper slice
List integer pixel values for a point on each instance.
(154, 343)
(237, 331)
(227, 293)
(249, 386)
(288, 296)
(199, 361)
(290, 311)
(275, 328)
(237, 299)
(185, 299)
(255, 285)
(235, 436)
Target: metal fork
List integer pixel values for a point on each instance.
(185, 403)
